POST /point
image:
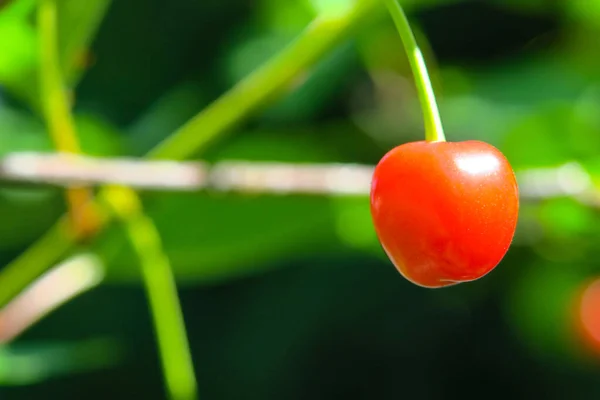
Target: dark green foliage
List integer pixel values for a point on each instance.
(291, 297)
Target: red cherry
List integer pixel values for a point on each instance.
(589, 315)
(444, 212)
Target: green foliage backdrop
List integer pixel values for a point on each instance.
(291, 297)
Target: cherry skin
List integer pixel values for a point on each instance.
(444, 212)
(588, 321)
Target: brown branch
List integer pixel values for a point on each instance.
(68, 170)
(83, 272)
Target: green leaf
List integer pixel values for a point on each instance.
(311, 93)
(354, 224)
(18, 47)
(98, 137)
(78, 23)
(288, 17)
(554, 134)
(540, 304)
(586, 11)
(330, 7)
(27, 212)
(531, 82)
(210, 236)
(567, 217)
(27, 364)
(165, 115)
(20, 131)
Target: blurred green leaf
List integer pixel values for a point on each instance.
(26, 212)
(211, 236)
(18, 47)
(26, 364)
(311, 93)
(293, 146)
(20, 131)
(353, 223)
(528, 5)
(78, 23)
(98, 137)
(554, 134)
(374, 48)
(164, 116)
(570, 230)
(530, 82)
(288, 18)
(586, 11)
(567, 217)
(541, 307)
(208, 237)
(330, 7)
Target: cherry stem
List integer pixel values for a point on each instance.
(434, 132)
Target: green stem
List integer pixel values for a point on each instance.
(434, 131)
(161, 289)
(207, 125)
(272, 78)
(56, 107)
(156, 268)
(57, 111)
(32, 263)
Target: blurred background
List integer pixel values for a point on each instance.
(289, 296)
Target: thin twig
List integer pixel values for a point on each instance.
(212, 122)
(19, 274)
(173, 345)
(65, 170)
(57, 112)
(71, 278)
(159, 282)
(278, 76)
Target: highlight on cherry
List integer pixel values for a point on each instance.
(444, 212)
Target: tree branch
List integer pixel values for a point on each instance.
(65, 170)
(71, 278)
